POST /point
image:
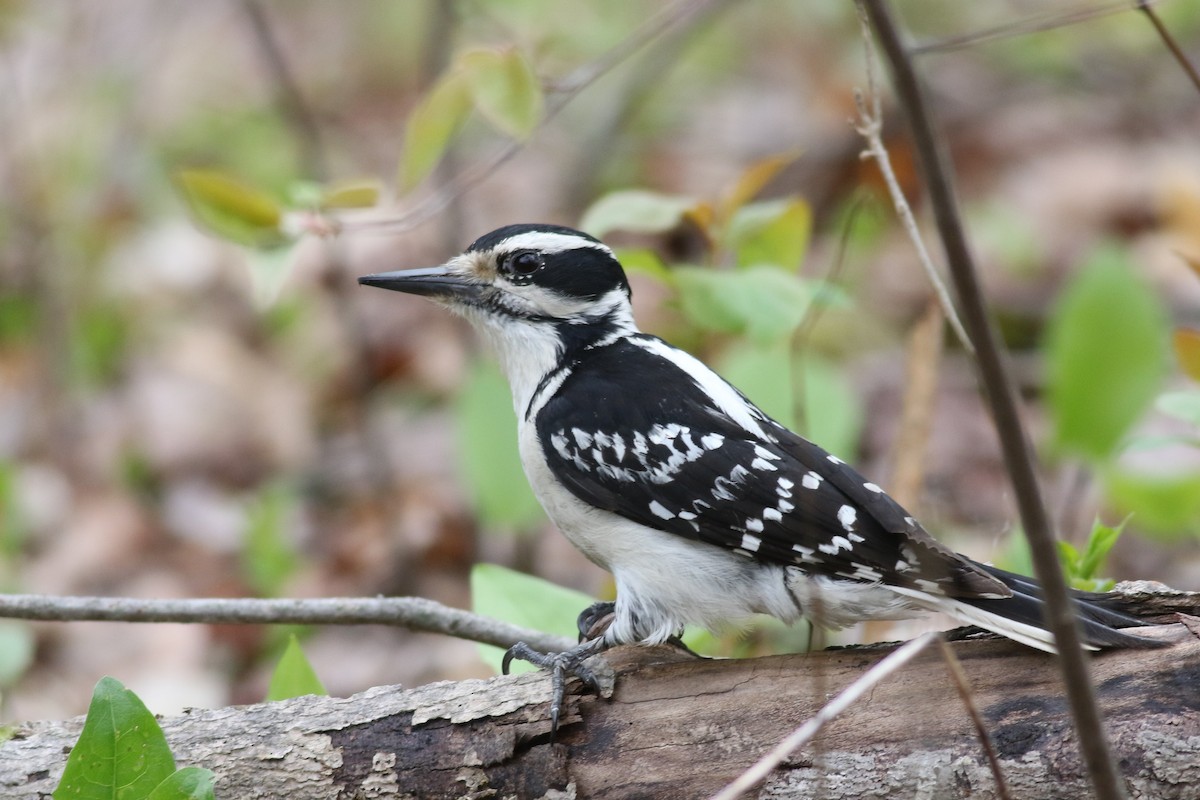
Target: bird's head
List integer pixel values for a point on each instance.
(530, 273)
(536, 291)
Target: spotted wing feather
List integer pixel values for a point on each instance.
(677, 462)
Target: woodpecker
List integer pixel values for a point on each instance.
(704, 509)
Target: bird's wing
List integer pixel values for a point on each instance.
(680, 462)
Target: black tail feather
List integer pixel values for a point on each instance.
(1100, 621)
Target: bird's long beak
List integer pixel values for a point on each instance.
(437, 282)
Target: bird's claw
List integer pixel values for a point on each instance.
(594, 620)
(560, 666)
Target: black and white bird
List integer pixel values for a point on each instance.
(704, 509)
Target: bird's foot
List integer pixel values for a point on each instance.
(560, 666)
(594, 620)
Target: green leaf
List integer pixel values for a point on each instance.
(833, 410)
(773, 232)
(1181, 405)
(104, 332)
(269, 271)
(763, 303)
(1015, 556)
(488, 451)
(431, 127)
(120, 753)
(1165, 505)
(293, 676)
(1100, 542)
(1106, 356)
(752, 181)
(635, 210)
(16, 650)
(524, 600)
(1068, 557)
(1150, 442)
(763, 372)
(189, 783)
(504, 89)
(231, 209)
(14, 531)
(268, 557)
(352, 194)
(639, 260)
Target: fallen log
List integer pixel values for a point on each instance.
(679, 727)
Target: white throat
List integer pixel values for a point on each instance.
(528, 350)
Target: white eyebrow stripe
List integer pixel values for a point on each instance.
(550, 243)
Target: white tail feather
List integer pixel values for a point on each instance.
(1024, 633)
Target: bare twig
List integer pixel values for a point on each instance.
(870, 126)
(562, 92)
(1169, 40)
(916, 414)
(1060, 615)
(846, 698)
(290, 97)
(414, 613)
(603, 138)
(1035, 23)
(959, 677)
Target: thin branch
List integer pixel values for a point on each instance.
(414, 613)
(917, 405)
(1060, 614)
(290, 97)
(846, 698)
(870, 126)
(563, 92)
(1035, 23)
(959, 677)
(1188, 67)
(597, 145)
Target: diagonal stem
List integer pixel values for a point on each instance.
(999, 391)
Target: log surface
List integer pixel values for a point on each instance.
(682, 728)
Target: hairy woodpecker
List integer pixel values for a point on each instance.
(703, 508)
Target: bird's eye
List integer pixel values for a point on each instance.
(525, 263)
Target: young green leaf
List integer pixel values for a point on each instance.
(1181, 405)
(352, 194)
(16, 650)
(644, 262)
(1106, 356)
(268, 556)
(293, 676)
(635, 210)
(120, 753)
(762, 302)
(1068, 557)
(763, 372)
(1167, 505)
(488, 451)
(189, 783)
(231, 209)
(833, 411)
(505, 90)
(269, 271)
(1100, 542)
(431, 127)
(751, 182)
(524, 600)
(773, 232)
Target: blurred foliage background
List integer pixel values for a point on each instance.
(195, 399)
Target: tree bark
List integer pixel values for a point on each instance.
(680, 727)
